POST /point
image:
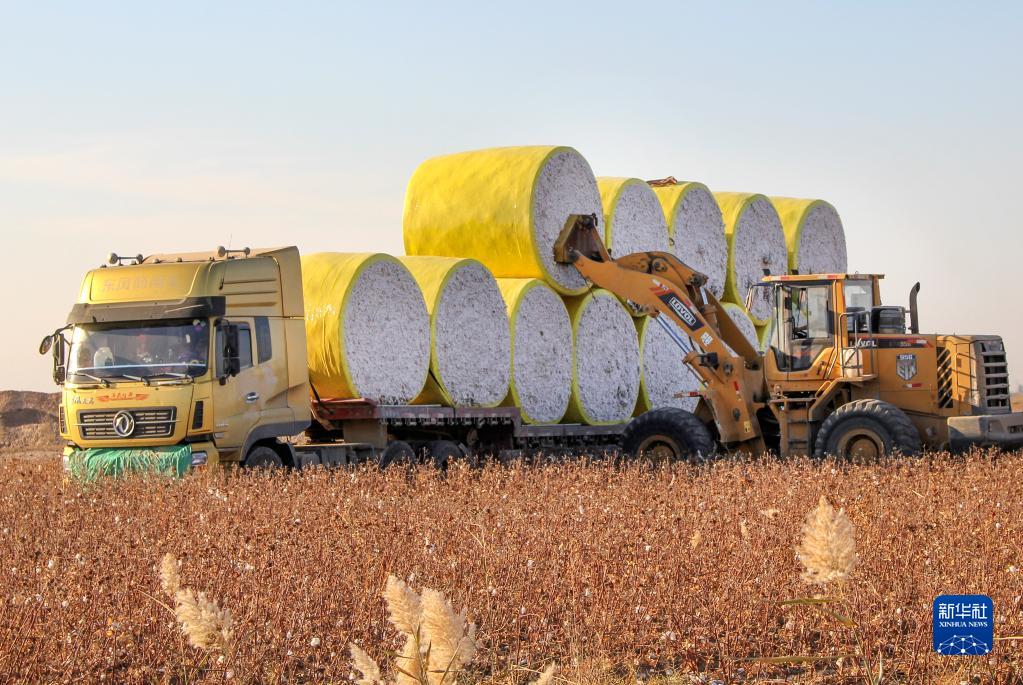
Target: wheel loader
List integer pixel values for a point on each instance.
(841, 373)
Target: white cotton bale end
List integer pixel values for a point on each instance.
(663, 374)
(744, 323)
(756, 243)
(633, 220)
(470, 350)
(504, 207)
(367, 329)
(605, 378)
(696, 230)
(814, 235)
(541, 350)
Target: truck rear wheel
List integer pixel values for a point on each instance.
(397, 453)
(263, 457)
(866, 430)
(444, 452)
(668, 435)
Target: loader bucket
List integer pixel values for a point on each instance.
(580, 237)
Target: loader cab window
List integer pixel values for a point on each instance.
(803, 327)
(859, 299)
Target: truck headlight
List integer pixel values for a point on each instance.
(198, 458)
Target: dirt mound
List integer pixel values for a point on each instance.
(28, 419)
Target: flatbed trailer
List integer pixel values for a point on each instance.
(355, 431)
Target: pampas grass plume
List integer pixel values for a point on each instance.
(828, 547)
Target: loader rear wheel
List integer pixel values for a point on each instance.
(667, 435)
(397, 453)
(866, 430)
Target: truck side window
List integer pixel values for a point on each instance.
(244, 342)
(264, 343)
(245, 345)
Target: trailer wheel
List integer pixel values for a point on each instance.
(866, 430)
(668, 435)
(397, 453)
(263, 457)
(443, 453)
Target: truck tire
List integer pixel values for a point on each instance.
(397, 453)
(444, 452)
(866, 430)
(668, 435)
(263, 457)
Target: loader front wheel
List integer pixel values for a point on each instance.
(667, 435)
(867, 430)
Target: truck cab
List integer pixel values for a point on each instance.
(184, 359)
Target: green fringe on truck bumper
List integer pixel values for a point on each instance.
(90, 464)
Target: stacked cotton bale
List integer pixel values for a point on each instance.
(756, 243)
(814, 235)
(744, 323)
(541, 350)
(633, 220)
(470, 355)
(605, 378)
(504, 207)
(663, 374)
(696, 229)
(367, 328)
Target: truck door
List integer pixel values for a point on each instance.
(236, 399)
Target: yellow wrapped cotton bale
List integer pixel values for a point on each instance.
(633, 220)
(367, 329)
(814, 235)
(541, 350)
(504, 207)
(695, 229)
(470, 354)
(605, 377)
(756, 243)
(663, 374)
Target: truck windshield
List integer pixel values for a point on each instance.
(134, 350)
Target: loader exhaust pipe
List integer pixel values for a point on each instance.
(914, 312)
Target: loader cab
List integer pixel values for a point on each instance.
(818, 322)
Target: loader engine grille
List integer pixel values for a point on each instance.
(147, 423)
(945, 376)
(992, 375)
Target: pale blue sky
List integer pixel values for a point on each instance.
(191, 125)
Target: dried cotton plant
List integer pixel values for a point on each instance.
(206, 625)
(828, 548)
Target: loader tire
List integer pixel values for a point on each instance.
(866, 430)
(398, 453)
(668, 435)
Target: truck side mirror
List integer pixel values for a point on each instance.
(232, 362)
(46, 344)
(59, 357)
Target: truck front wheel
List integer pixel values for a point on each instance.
(866, 430)
(263, 457)
(668, 435)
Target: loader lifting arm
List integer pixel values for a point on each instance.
(659, 284)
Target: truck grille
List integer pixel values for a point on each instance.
(992, 375)
(149, 423)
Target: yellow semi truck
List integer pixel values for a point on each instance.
(176, 360)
